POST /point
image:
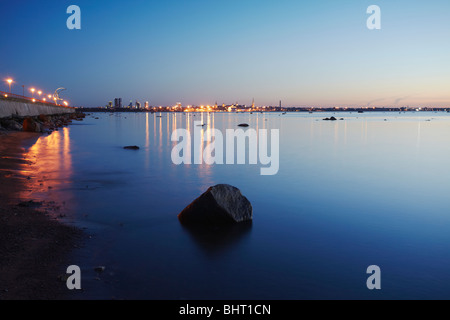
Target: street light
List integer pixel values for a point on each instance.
(32, 92)
(39, 93)
(9, 82)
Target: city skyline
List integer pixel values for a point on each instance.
(305, 54)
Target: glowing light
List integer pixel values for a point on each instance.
(34, 100)
(49, 96)
(65, 102)
(39, 92)
(44, 99)
(6, 96)
(9, 82)
(33, 90)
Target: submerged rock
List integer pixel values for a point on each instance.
(330, 119)
(244, 125)
(221, 204)
(131, 148)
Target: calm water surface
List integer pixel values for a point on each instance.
(348, 194)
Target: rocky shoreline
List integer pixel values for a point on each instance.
(40, 124)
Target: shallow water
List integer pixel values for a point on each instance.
(349, 194)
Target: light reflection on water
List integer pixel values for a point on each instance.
(349, 194)
(50, 169)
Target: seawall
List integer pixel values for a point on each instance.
(10, 109)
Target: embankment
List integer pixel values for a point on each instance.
(9, 108)
(23, 115)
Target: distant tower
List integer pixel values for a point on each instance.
(280, 104)
(118, 103)
(253, 103)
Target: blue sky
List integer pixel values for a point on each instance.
(198, 52)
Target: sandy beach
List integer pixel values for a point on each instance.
(33, 247)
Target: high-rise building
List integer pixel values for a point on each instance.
(110, 104)
(118, 103)
(147, 105)
(138, 105)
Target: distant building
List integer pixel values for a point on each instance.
(138, 105)
(110, 104)
(147, 105)
(118, 103)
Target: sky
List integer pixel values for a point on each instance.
(315, 53)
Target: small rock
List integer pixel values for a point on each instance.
(43, 118)
(12, 125)
(244, 125)
(131, 148)
(100, 269)
(31, 125)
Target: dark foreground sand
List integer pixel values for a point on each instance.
(33, 248)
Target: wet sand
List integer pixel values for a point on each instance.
(33, 247)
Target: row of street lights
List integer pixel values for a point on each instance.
(33, 90)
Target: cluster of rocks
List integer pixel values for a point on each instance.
(332, 119)
(41, 123)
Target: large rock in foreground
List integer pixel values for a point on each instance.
(221, 204)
